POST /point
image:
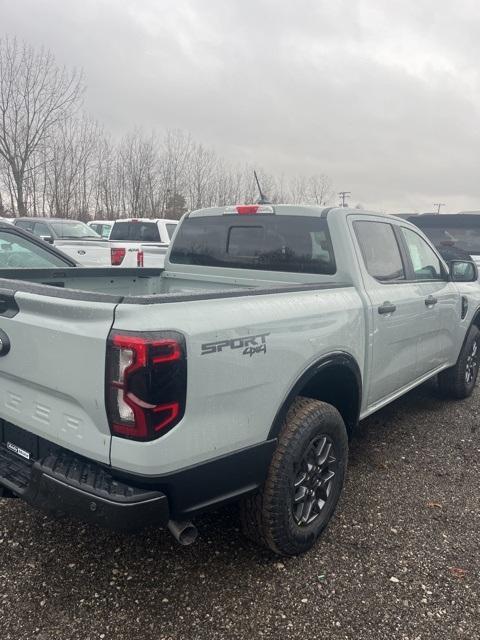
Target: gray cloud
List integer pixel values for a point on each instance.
(383, 97)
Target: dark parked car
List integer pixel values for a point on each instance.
(456, 235)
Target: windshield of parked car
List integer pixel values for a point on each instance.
(17, 252)
(135, 230)
(461, 232)
(299, 244)
(72, 229)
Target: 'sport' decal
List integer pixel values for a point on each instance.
(250, 345)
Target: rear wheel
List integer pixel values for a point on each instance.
(304, 481)
(459, 381)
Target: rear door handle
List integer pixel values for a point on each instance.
(386, 307)
(430, 301)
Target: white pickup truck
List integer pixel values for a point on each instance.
(236, 373)
(145, 240)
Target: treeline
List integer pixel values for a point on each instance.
(55, 160)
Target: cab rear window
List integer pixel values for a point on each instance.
(299, 244)
(138, 231)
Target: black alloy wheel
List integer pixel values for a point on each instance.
(314, 480)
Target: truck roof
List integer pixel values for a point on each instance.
(48, 218)
(288, 210)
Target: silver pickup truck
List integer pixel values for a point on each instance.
(133, 397)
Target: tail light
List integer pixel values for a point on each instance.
(140, 259)
(146, 383)
(117, 256)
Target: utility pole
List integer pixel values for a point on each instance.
(439, 205)
(344, 195)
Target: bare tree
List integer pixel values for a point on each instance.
(35, 95)
(138, 160)
(319, 189)
(53, 162)
(200, 175)
(298, 190)
(177, 147)
(106, 180)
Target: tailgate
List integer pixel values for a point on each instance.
(53, 378)
(128, 256)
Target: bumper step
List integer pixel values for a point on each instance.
(62, 482)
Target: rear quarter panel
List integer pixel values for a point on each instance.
(233, 393)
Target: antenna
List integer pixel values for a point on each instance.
(262, 199)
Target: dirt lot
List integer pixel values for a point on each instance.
(400, 559)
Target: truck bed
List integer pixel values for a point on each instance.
(145, 286)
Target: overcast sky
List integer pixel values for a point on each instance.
(382, 96)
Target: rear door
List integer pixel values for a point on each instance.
(396, 309)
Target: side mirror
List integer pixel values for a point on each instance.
(48, 239)
(463, 271)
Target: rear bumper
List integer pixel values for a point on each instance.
(59, 481)
(62, 483)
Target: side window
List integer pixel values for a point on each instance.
(25, 224)
(41, 229)
(380, 251)
(426, 265)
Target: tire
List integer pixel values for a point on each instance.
(312, 445)
(459, 381)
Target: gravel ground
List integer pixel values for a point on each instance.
(399, 560)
